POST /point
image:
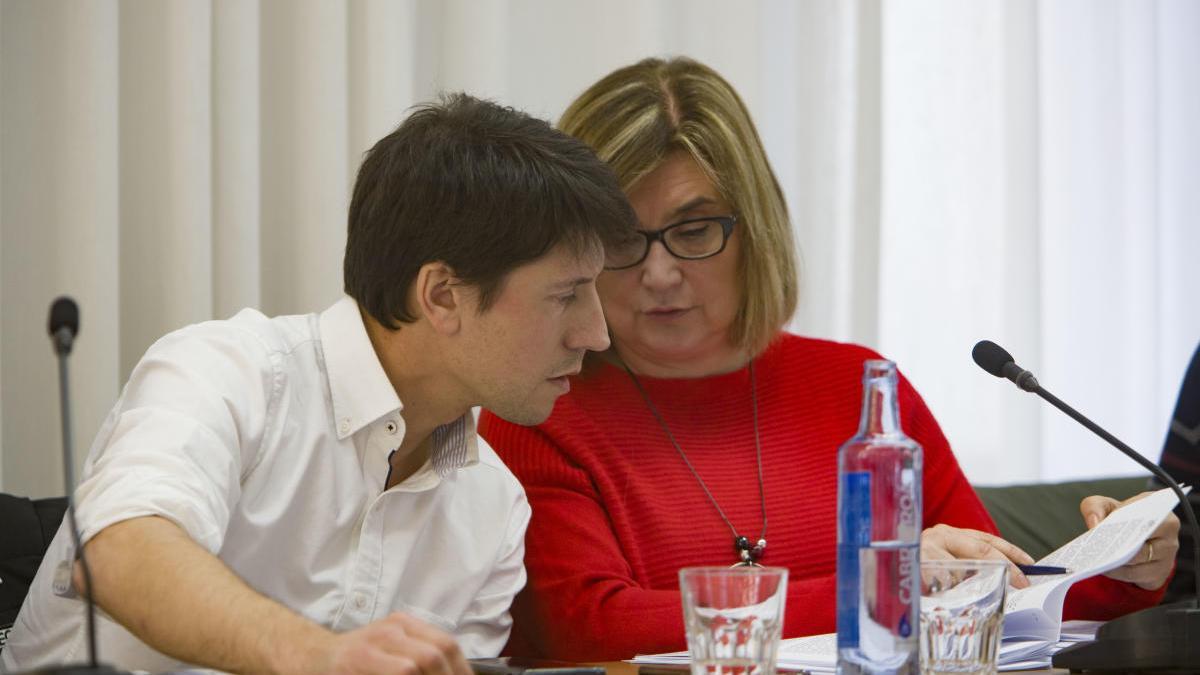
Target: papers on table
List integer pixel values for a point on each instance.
(817, 653)
(1029, 653)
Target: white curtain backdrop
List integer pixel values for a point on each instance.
(1005, 168)
(1040, 163)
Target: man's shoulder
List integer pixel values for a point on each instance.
(492, 468)
(276, 333)
(250, 333)
(490, 478)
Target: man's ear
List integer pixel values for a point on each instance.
(440, 297)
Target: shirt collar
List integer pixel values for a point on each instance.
(455, 445)
(359, 389)
(361, 392)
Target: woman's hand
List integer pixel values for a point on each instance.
(1151, 566)
(943, 542)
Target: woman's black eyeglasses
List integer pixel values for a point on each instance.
(692, 239)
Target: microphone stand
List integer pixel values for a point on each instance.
(1153, 468)
(64, 324)
(69, 478)
(1165, 638)
(1161, 639)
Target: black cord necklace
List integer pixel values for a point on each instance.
(747, 554)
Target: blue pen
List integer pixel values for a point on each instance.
(1043, 569)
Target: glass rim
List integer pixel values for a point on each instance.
(739, 570)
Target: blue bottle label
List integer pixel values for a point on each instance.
(855, 516)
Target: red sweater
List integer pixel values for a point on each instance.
(616, 512)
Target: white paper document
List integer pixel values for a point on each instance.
(1036, 612)
(1033, 625)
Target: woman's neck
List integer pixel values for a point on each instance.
(714, 363)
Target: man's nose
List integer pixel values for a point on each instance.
(591, 333)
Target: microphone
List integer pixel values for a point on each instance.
(63, 326)
(1166, 637)
(997, 361)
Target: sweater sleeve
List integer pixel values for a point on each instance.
(582, 602)
(1101, 598)
(950, 499)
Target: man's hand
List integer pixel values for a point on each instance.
(1150, 566)
(396, 645)
(943, 542)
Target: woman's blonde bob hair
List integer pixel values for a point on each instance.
(635, 116)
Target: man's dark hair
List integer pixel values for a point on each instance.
(478, 186)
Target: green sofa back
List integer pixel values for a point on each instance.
(1041, 517)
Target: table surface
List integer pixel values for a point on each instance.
(622, 668)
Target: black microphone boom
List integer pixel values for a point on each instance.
(1164, 638)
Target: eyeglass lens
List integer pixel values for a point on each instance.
(688, 240)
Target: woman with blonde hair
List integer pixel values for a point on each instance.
(705, 422)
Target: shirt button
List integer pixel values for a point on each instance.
(391, 427)
(360, 600)
(344, 425)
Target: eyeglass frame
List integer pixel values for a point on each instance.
(651, 236)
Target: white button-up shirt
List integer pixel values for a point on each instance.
(267, 440)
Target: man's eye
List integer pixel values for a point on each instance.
(567, 299)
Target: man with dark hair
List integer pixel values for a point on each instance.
(307, 493)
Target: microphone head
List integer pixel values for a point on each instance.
(991, 357)
(64, 313)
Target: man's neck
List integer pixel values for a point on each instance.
(404, 463)
(426, 389)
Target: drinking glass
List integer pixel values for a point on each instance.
(733, 618)
(962, 615)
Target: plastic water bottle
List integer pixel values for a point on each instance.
(879, 536)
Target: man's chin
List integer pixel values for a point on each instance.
(526, 416)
